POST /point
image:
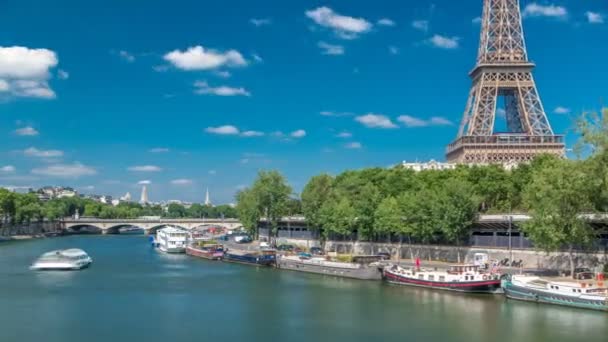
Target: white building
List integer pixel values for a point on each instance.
(430, 165)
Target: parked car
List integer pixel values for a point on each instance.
(243, 239)
(286, 248)
(316, 251)
(384, 255)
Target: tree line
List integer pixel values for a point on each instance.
(17, 208)
(441, 205)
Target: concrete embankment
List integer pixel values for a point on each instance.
(28, 231)
(451, 254)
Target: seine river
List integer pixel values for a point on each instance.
(133, 293)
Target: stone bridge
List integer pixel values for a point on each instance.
(111, 226)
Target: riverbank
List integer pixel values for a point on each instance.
(531, 259)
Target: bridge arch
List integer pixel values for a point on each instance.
(81, 228)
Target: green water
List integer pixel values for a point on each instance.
(133, 293)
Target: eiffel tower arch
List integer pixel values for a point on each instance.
(503, 71)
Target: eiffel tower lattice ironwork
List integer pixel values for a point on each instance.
(503, 71)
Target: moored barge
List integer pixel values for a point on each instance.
(365, 268)
(210, 252)
(585, 294)
(265, 257)
(459, 278)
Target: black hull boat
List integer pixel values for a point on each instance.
(467, 279)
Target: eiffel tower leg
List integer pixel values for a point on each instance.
(512, 110)
(534, 114)
(468, 112)
(485, 109)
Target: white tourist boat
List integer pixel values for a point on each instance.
(66, 259)
(172, 240)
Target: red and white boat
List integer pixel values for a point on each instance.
(211, 251)
(460, 278)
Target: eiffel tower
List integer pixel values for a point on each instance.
(503, 72)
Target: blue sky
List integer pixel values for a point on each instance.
(102, 95)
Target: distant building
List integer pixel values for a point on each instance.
(430, 165)
(207, 199)
(51, 192)
(144, 195)
(126, 197)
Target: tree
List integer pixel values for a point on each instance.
(272, 194)
(593, 129)
(338, 217)
(315, 194)
(388, 218)
(27, 208)
(7, 204)
(248, 211)
(175, 210)
(456, 211)
(556, 198)
(420, 213)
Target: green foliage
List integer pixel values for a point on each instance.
(271, 193)
(556, 198)
(248, 210)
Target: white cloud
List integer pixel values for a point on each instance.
(212, 172)
(257, 58)
(145, 168)
(353, 145)
(386, 22)
(200, 58)
(181, 182)
(25, 72)
(439, 121)
(89, 187)
(223, 130)
(160, 68)
(8, 169)
(344, 26)
(561, 110)
(594, 17)
(536, 10)
(75, 170)
(410, 121)
(144, 182)
(332, 113)
(34, 152)
(260, 22)
(251, 134)
(300, 133)
(330, 49)
(393, 50)
(126, 56)
(501, 112)
(26, 131)
(203, 88)
(375, 121)
(18, 62)
(443, 42)
(223, 74)
(158, 150)
(62, 74)
(344, 135)
(476, 20)
(421, 25)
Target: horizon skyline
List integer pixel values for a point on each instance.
(301, 88)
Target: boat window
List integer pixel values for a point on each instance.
(441, 278)
(431, 277)
(421, 276)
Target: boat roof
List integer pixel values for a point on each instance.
(172, 230)
(71, 252)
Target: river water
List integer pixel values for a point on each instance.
(133, 293)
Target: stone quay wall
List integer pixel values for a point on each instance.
(451, 254)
